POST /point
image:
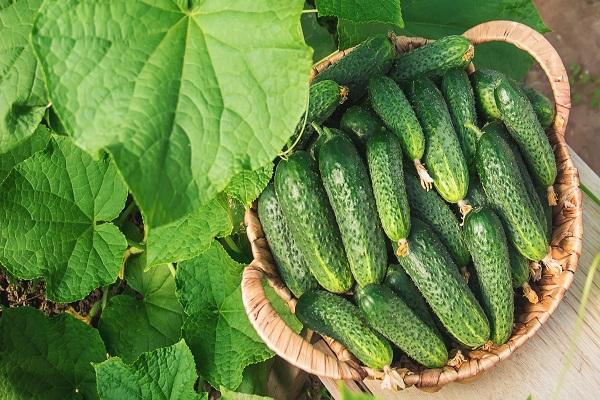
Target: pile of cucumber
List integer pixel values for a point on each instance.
(411, 202)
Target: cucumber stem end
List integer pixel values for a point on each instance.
(402, 250)
(529, 293)
(551, 194)
(426, 180)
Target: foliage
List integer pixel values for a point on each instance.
(149, 127)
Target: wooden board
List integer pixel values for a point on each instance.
(534, 368)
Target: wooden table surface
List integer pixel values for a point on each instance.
(535, 367)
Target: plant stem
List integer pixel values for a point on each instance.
(590, 194)
(105, 296)
(172, 269)
(312, 10)
(234, 247)
(125, 214)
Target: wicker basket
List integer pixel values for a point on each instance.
(566, 247)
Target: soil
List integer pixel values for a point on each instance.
(575, 34)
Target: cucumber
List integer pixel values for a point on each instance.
(486, 241)
(443, 155)
(392, 318)
(506, 191)
(519, 266)
(360, 123)
(523, 125)
(291, 263)
(323, 133)
(433, 59)
(384, 158)
(397, 280)
(310, 217)
(430, 207)
(536, 197)
(459, 96)
(390, 103)
(323, 99)
(372, 57)
(436, 276)
(484, 83)
(346, 181)
(544, 107)
(334, 316)
(475, 194)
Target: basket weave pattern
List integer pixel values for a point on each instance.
(566, 245)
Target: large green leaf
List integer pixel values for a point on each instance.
(246, 186)
(53, 207)
(436, 18)
(134, 324)
(28, 147)
(216, 326)
(22, 92)
(47, 358)
(189, 236)
(183, 94)
(317, 36)
(165, 373)
(230, 395)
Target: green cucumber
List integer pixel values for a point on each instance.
(291, 263)
(461, 103)
(360, 123)
(323, 99)
(310, 217)
(544, 107)
(431, 208)
(433, 59)
(522, 123)
(384, 158)
(346, 180)
(533, 191)
(520, 274)
(372, 57)
(505, 189)
(392, 318)
(436, 276)
(475, 194)
(486, 241)
(390, 103)
(484, 83)
(399, 281)
(443, 155)
(334, 316)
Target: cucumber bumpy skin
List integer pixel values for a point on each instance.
(346, 181)
(398, 280)
(486, 241)
(522, 123)
(372, 57)
(384, 158)
(334, 316)
(436, 276)
(433, 59)
(443, 155)
(519, 266)
(432, 209)
(505, 190)
(290, 260)
(459, 96)
(390, 103)
(484, 83)
(361, 123)
(544, 107)
(311, 220)
(392, 318)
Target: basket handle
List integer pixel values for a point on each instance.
(271, 328)
(534, 43)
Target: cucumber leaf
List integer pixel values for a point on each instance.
(28, 147)
(53, 208)
(246, 186)
(183, 95)
(23, 98)
(189, 236)
(165, 373)
(216, 326)
(437, 18)
(317, 36)
(47, 358)
(146, 320)
(230, 395)
(359, 19)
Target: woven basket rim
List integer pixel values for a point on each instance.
(566, 244)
